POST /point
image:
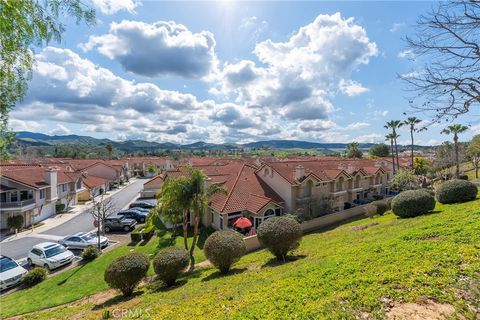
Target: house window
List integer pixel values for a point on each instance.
(14, 197)
(269, 213)
(42, 194)
(26, 194)
(221, 222)
(278, 211)
(3, 197)
(79, 184)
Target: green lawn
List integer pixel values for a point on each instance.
(83, 280)
(340, 273)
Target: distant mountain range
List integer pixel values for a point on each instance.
(40, 139)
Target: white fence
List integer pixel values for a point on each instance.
(252, 242)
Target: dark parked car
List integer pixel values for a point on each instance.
(139, 216)
(119, 223)
(142, 204)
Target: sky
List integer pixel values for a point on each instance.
(230, 71)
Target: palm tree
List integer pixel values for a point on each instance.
(455, 129)
(391, 137)
(175, 198)
(412, 122)
(394, 125)
(189, 194)
(201, 196)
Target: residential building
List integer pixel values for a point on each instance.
(36, 192)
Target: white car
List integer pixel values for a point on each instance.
(10, 272)
(49, 255)
(82, 240)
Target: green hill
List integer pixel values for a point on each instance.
(358, 270)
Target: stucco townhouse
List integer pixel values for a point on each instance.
(263, 189)
(37, 192)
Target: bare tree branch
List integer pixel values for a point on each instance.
(448, 41)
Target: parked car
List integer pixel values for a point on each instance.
(119, 222)
(82, 240)
(49, 255)
(143, 210)
(10, 272)
(142, 204)
(139, 216)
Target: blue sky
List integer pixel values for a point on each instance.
(229, 71)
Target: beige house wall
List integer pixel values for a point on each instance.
(281, 186)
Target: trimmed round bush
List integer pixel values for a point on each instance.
(374, 208)
(169, 263)
(412, 203)
(90, 253)
(126, 272)
(456, 191)
(280, 235)
(388, 202)
(223, 249)
(34, 276)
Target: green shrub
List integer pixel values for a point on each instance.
(136, 235)
(34, 276)
(374, 208)
(169, 263)
(126, 272)
(15, 222)
(388, 202)
(412, 203)
(148, 232)
(456, 191)
(280, 235)
(59, 207)
(224, 248)
(90, 253)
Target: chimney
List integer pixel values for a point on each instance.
(50, 176)
(299, 172)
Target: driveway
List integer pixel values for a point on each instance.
(83, 222)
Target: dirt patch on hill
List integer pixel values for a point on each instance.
(430, 310)
(366, 226)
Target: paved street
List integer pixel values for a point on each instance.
(18, 249)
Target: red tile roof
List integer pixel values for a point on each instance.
(156, 181)
(93, 181)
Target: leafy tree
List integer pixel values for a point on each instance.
(455, 129)
(394, 125)
(109, 148)
(353, 150)
(420, 165)
(100, 210)
(15, 222)
(473, 151)
(24, 24)
(391, 137)
(411, 122)
(447, 40)
(405, 180)
(379, 150)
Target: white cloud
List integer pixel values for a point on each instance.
(21, 125)
(357, 126)
(298, 75)
(370, 138)
(397, 26)
(159, 48)
(406, 54)
(316, 125)
(60, 130)
(380, 113)
(351, 88)
(113, 6)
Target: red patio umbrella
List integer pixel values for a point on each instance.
(242, 223)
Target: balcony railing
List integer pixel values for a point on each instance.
(17, 204)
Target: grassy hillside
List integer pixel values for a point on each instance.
(353, 271)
